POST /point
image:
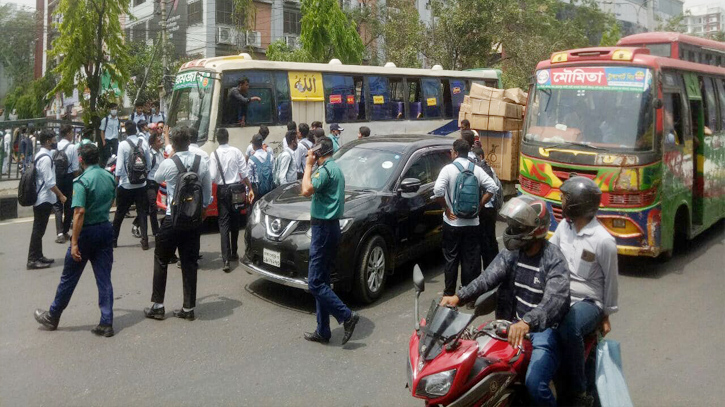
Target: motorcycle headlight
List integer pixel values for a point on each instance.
(436, 385)
(256, 214)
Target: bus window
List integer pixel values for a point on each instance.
(360, 98)
(673, 115)
(432, 98)
(415, 107)
(340, 106)
(397, 97)
(721, 93)
(260, 85)
(387, 98)
(710, 104)
(284, 104)
(457, 90)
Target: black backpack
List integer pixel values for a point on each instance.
(28, 187)
(188, 199)
(136, 163)
(496, 200)
(61, 162)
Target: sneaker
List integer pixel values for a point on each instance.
(349, 326)
(227, 268)
(155, 313)
(60, 239)
(103, 330)
(187, 315)
(44, 318)
(136, 231)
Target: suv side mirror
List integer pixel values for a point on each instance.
(418, 280)
(410, 185)
(485, 303)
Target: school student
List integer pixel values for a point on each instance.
(65, 160)
(152, 188)
(285, 167)
(110, 130)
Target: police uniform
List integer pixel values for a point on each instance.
(94, 191)
(328, 205)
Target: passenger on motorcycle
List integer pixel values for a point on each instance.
(533, 280)
(591, 253)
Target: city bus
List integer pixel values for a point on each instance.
(648, 130)
(387, 99)
(678, 46)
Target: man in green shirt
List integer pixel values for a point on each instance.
(92, 240)
(327, 189)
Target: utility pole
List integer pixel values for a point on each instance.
(162, 92)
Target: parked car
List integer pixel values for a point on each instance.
(390, 216)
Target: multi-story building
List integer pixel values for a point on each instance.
(705, 20)
(45, 33)
(635, 16)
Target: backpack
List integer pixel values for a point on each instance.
(265, 176)
(61, 162)
(28, 187)
(467, 195)
(136, 164)
(187, 202)
(496, 200)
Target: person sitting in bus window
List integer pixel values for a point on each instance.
(239, 100)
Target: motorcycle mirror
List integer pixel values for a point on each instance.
(485, 303)
(418, 280)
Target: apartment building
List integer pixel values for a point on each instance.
(704, 20)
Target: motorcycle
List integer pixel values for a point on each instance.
(111, 164)
(450, 364)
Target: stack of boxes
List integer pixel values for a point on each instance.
(497, 115)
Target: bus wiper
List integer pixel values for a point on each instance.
(574, 143)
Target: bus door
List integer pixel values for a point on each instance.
(697, 121)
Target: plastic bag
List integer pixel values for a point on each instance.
(611, 386)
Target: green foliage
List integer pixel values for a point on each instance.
(143, 57)
(244, 14)
(31, 99)
(675, 24)
(17, 32)
(611, 36)
(402, 33)
(279, 51)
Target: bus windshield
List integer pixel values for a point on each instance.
(191, 101)
(595, 107)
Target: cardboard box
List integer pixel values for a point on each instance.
(484, 92)
(502, 152)
(496, 108)
(495, 123)
(515, 95)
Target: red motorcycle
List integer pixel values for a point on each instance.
(450, 364)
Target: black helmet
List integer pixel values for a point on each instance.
(527, 219)
(580, 198)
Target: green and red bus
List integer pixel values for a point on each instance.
(648, 130)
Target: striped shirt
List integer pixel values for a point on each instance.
(528, 284)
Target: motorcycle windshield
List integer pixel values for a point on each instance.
(441, 324)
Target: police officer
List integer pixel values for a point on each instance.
(92, 240)
(327, 189)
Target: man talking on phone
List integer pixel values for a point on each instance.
(327, 189)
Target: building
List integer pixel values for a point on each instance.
(45, 35)
(705, 20)
(635, 16)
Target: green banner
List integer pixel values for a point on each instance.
(192, 80)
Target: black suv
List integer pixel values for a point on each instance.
(390, 216)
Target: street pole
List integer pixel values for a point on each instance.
(164, 17)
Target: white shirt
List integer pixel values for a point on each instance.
(232, 162)
(124, 150)
(8, 139)
(250, 150)
(446, 183)
(194, 148)
(137, 117)
(262, 157)
(71, 151)
(160, 117)
(301, 154)
(44, 177)
(157, 156)
(112, 129)
(592, 257)
(285, 168)
(167, 173)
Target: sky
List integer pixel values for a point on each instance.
(27, 3)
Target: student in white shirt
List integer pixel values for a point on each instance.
(137, 115)
(263, 132)
(63, 211)
(261, 178)
(48, 193)
(143, 130)
(152, 188)
(110, 129)
(305, 141)
(460, 236)
(156, 114)
(229, 172)
(285, 167)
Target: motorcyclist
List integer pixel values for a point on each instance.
(533, 280)
(591, 253)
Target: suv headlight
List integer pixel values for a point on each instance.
(436, 385)
(345, 224)
(256, 214)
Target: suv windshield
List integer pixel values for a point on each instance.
(191, 101)
(605, 107)
(366, 168)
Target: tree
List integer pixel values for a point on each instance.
(142, 58)
(675, 24)
(17, 36)
(402, 33)
(31, 99)
(90, 43)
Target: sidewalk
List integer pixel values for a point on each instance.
(9, 189)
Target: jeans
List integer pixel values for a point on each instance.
(96, 244)
(41, 214)
(461, 244)
(152, 189)
(489, 245)
(229, 222)
(542, 367)
(124, 199)
(167, 241)
(581, 320)
(323, 247)
(64, 212)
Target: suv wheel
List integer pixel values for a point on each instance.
(370, 273)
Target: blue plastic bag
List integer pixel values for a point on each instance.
(611, 386)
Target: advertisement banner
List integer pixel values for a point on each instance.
(335, 99)
(306, 87)
(605, 78)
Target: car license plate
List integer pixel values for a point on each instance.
(271, 257)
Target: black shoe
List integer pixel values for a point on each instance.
(115, 244)
(582, 400)
(36, 265)
(315, 337)
(44, 259)
(187, 315)
(44, 318)
(155, 313)
(349, 326)
(227, 268)
(234, 257)
(66, 236)
(144, 244)
(103, 330)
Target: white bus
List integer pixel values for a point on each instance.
(388, 99)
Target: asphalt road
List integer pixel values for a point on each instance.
(246, 346)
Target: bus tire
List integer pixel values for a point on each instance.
(679, 237)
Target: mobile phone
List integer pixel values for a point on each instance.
(316, 150)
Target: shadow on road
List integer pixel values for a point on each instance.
(645, 267)
(218, 308)
(287, 297)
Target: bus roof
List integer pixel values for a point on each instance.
(237, 62)
(622, 56)
(669, 37)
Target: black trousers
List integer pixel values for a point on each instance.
(108, 150)
(489, 245)
(229, 222)
(41, 214)
(167, 241)
(152, 189)
(124, 199)
(461, 245)
(64, 212)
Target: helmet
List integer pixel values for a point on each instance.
(527, 219)
(581, 198)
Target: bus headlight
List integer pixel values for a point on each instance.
(436, 385)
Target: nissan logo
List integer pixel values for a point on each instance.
(276, 226)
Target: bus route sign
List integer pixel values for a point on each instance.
(606, 78)
(193, 79)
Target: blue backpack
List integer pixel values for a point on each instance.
(467, 196)
(265, 176)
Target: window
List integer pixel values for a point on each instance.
(387, 96)
(708, 93)
(454, 90)
(138, 2)
(432, 98)
(673, 123)
(343, 98)
(419, 170)
(284, 103)
(138, 32)
(721, 93)
(224, 12)
(426, 168)
(415, 94)
(195, 13)
(260, 85)
(660, 50)
(292, 22)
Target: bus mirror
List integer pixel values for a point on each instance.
(658, 103)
